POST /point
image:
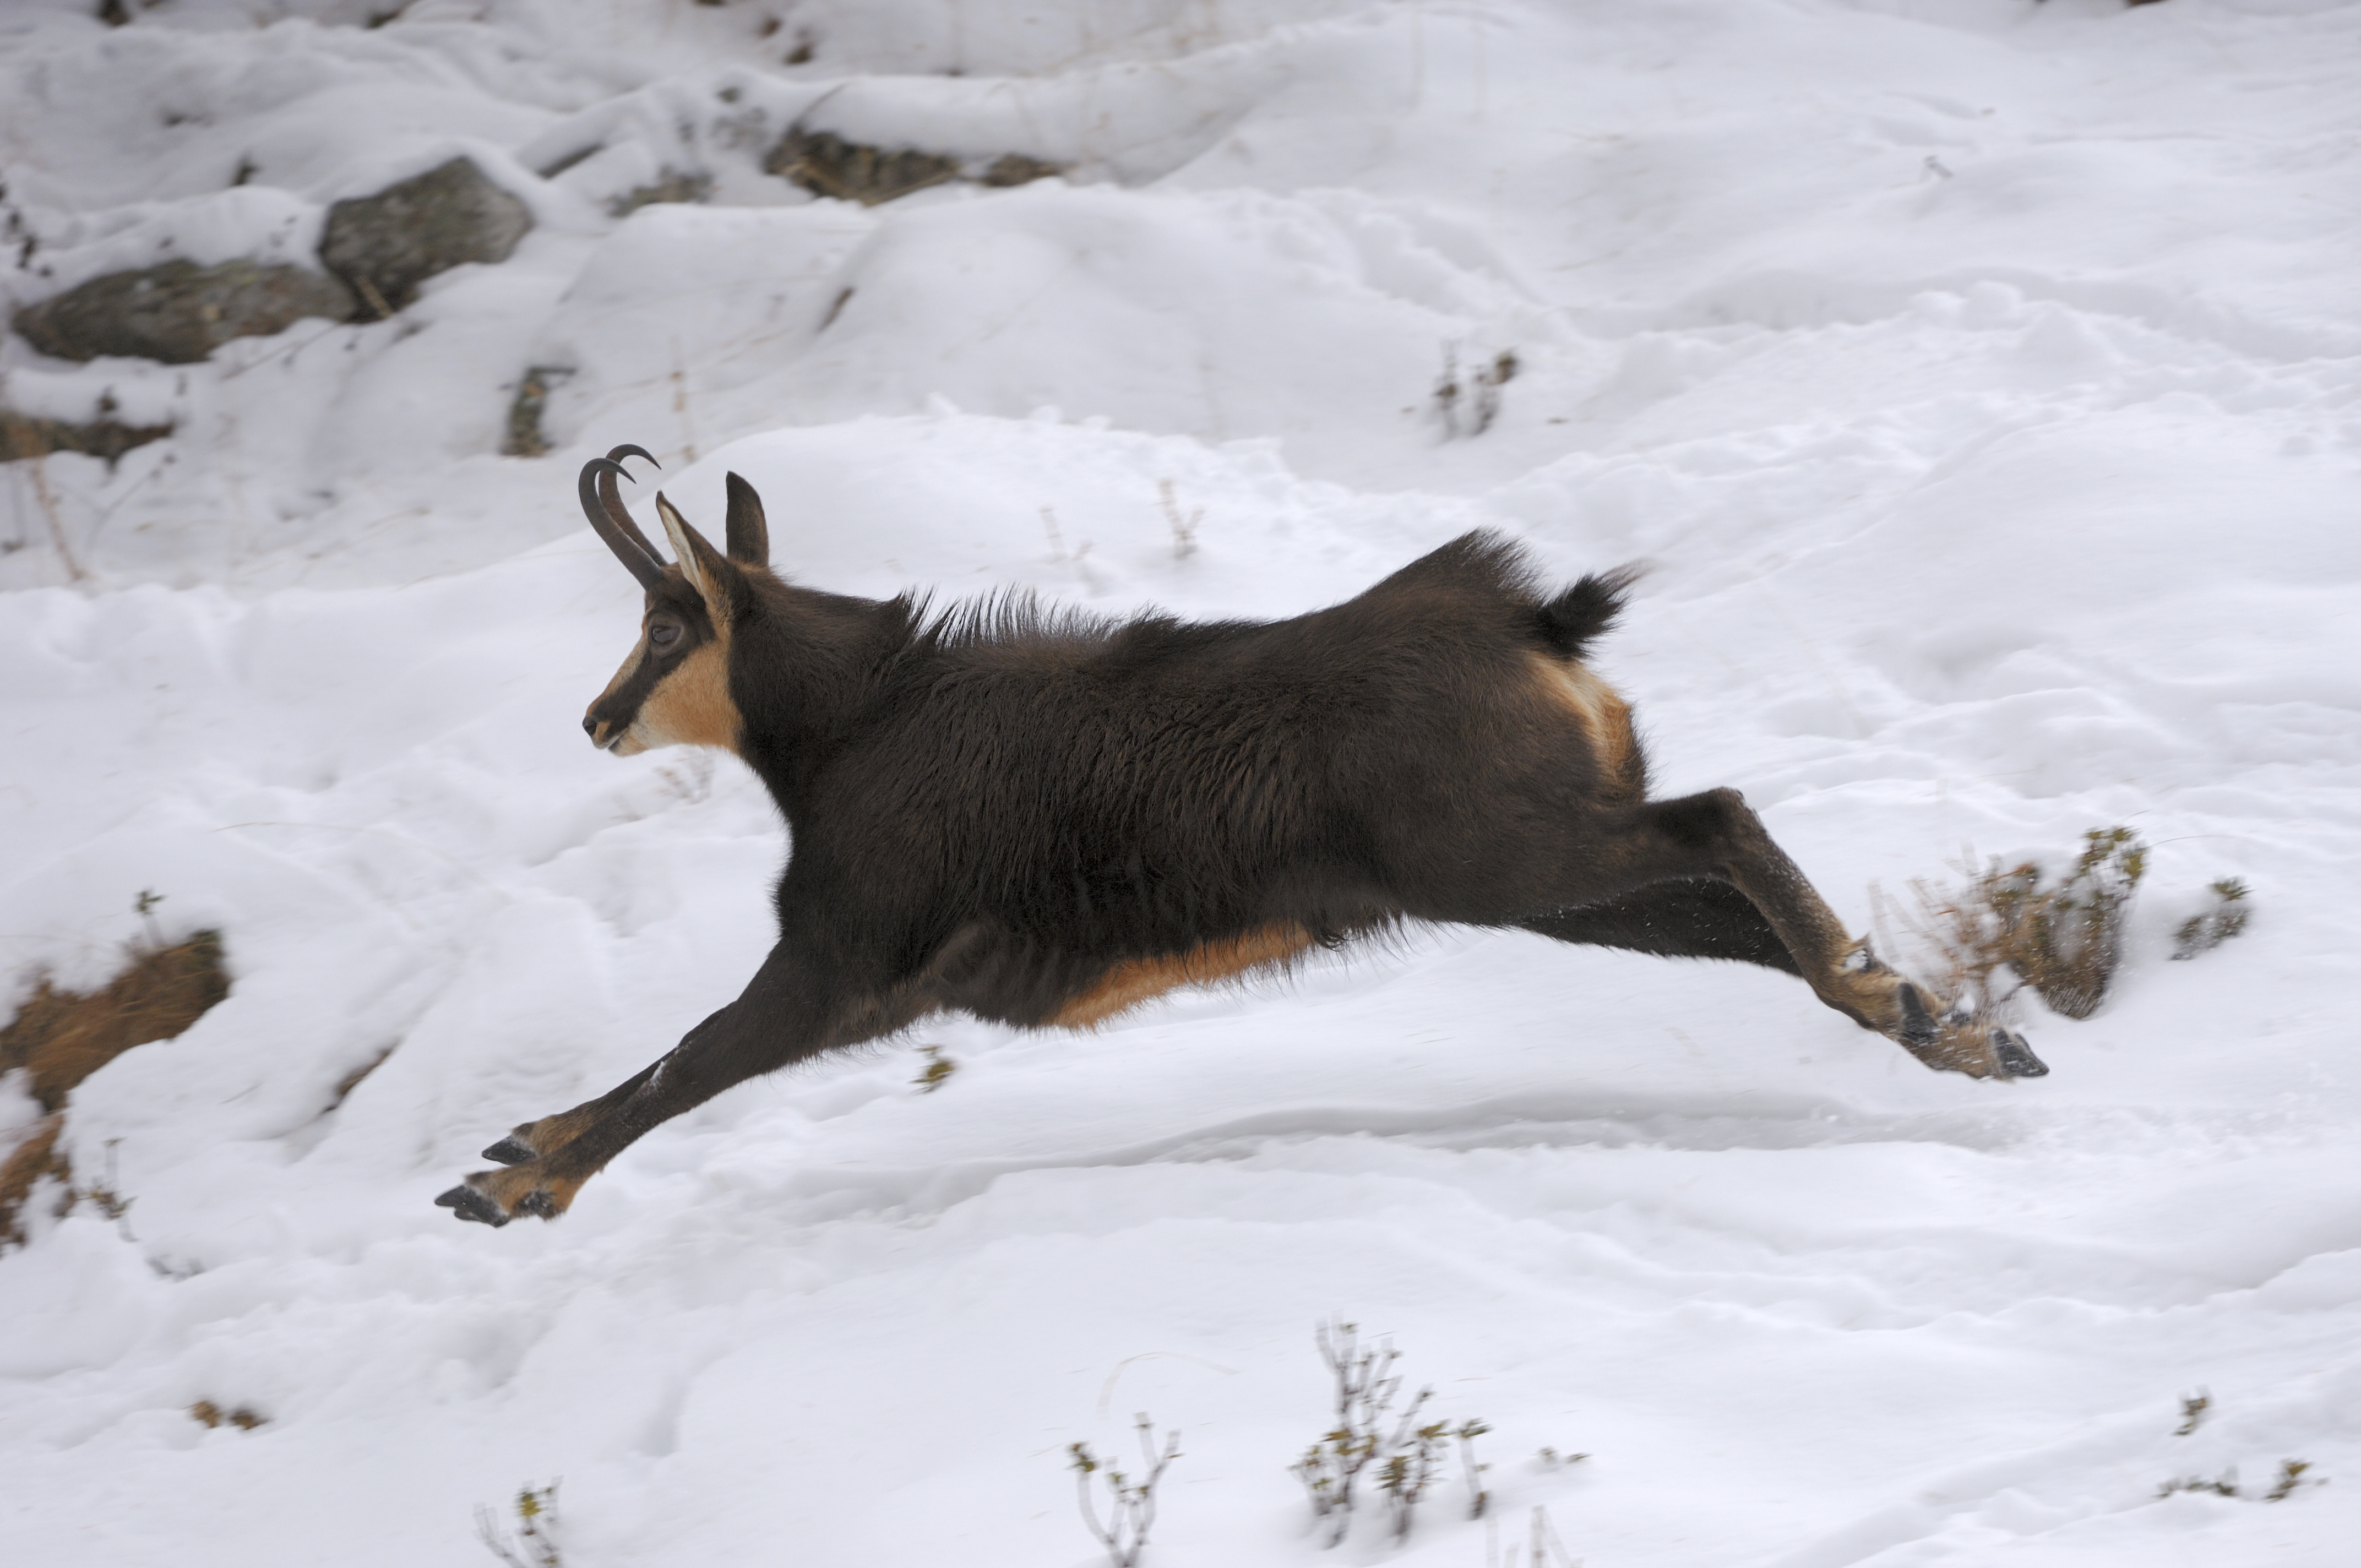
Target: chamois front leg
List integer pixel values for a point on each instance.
(798, 1004)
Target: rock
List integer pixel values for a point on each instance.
(385, 245)
(22, 436)
(179, 313)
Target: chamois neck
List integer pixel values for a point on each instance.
(804, 665)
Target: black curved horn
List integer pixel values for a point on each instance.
(615, 525)
(613, 501)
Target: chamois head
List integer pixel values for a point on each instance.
(673, 688)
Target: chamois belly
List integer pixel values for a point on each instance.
(1128, 985)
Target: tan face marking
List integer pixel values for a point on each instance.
(1605, 717)
(690, 707)
(1127, 985)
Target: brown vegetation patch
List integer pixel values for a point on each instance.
(671, 186)
(2006, 929)
(209, 1415)
(61, 1038)
(23, 437)
(524, 438)
(34, 1158)
(827, 164)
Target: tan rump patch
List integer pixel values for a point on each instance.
(1127, 985)
(1605, 717)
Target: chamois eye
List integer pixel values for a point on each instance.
(662, 634)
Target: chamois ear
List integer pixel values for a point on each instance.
(705, 567)
(749, 535)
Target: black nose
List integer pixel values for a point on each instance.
(591, 726)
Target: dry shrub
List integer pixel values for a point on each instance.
(2004, 930)
(1131, 1502)
(1407, 1453)
(2225, 918)
(59, 1037)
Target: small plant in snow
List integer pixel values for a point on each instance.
(1368, 1431)
(207, 1414)
(2291, 1477)
(1540, 1548)
(1131, 1503)
(937, 1070)
(1478, 1499)
(1185, 528)
(2227, 918)
(2006, 929)
(1468, 407)
(533, 1543)
(2224, 1486)
(2193, 1412)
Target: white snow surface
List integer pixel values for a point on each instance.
(1981, 377)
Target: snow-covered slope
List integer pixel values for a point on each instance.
(1981, 376)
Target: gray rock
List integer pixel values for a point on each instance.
(385, 245)
(179, 313)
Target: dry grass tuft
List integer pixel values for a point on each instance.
(2003, 930)
(209, 1415)
(59, 1037)
(63, 1036)
(32, 1160)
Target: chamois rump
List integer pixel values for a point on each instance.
(1046, 819)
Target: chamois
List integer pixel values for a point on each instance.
(1046, 819)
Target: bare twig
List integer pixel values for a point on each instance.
(1131, 1505)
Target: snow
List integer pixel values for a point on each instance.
(1979, 377)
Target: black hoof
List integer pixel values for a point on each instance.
(1918, 1027)
(468, 1203)
(511, 1150)
(2017, 1058)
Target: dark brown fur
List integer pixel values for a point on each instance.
(1045, 818)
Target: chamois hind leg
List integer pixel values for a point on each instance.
(1695, 917)
(1715, 834)
(798, 1005)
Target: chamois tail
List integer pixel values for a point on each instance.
(1582, 613)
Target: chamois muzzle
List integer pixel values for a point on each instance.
(602, 503)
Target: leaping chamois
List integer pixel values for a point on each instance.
(1046, 819)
